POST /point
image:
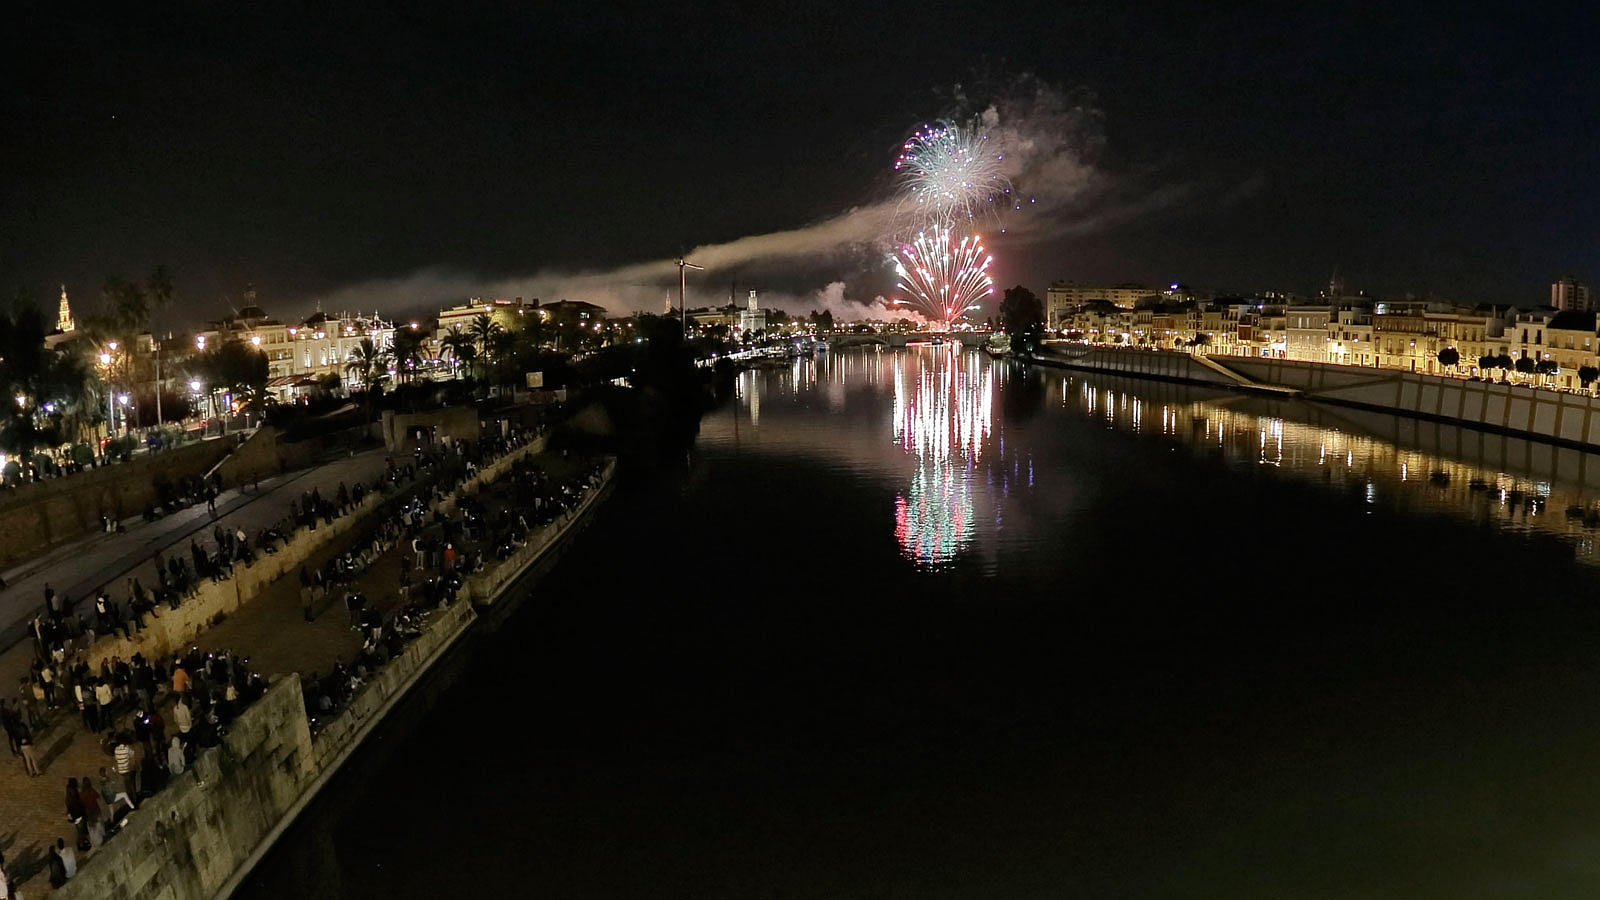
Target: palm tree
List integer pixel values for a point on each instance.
(484, 330)
(460, 346)
(406, 351)
(369, 362)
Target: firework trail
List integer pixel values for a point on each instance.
(951, 176)
(944, 277)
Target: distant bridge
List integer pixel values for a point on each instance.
(967, 339)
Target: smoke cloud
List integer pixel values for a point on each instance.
(1048, 140)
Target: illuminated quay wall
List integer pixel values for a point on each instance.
(1513, 484)
(1516, 409)
(200, 836)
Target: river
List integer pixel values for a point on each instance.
(919, 624)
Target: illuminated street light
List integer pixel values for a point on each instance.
(200, 341)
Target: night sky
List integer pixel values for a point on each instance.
(1441, 151)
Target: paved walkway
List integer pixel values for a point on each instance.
(270, 630)
(76, 569)
(32, 810)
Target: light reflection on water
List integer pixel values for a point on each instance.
(930, 423)
(943, 415)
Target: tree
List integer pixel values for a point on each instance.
(1200, 339)
(460, 346)
(406, 351)
(822, 321)
(1548, 367)
(483, 329)
(1587, 375)
(1022, 316)
(1449, 356)
(1526, 366)
(369, 363)
(52, 391)
(1487, 362)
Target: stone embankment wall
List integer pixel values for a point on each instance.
(188, 840)
(200, 837)
(1143, 363)
(38, 515)
(485, 586)
(1512, 409)
(173, 630)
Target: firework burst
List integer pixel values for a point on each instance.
(944, 277)
(952, 176)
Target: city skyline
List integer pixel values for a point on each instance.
(427, 160)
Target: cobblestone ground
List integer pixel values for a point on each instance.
(269, 629)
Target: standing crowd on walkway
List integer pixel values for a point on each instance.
(152, 715)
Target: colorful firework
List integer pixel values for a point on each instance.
(944, 278)
(951, 175)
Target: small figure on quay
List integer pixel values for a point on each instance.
(30, 763)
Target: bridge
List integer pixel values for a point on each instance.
(967, 339)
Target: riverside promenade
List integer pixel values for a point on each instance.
(270, 629)
(32, 811)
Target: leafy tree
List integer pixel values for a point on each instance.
(1449, 356)
(1526, 366)
(48, 395)
(234, 367)
(822, 321)
(1587, 375)
(1548, 367)
(1504, 362)
(1200, 339)
(1022, 315)
(1487, 362)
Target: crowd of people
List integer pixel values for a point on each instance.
(152, 715)
(122, 703)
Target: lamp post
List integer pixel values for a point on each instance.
(683, 309)
(111, 417)
(155, 346)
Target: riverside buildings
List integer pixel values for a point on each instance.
(1561, 346)
(302, 353)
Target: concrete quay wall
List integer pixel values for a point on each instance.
(200, 837)
(1556, 416)
(173, 630)
(39, 515)
(188, 840)
(1164, 364)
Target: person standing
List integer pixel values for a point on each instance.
(176, 762)
(182, 718)
(123, 760)
(94, 811)
(58, 868)
(75, 812)
(30, 763)
(69, 859)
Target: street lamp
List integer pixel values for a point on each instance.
(683, 309)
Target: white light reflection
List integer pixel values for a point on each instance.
(943, 414)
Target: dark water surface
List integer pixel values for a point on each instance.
(920, 625)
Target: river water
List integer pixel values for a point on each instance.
(919, 624)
